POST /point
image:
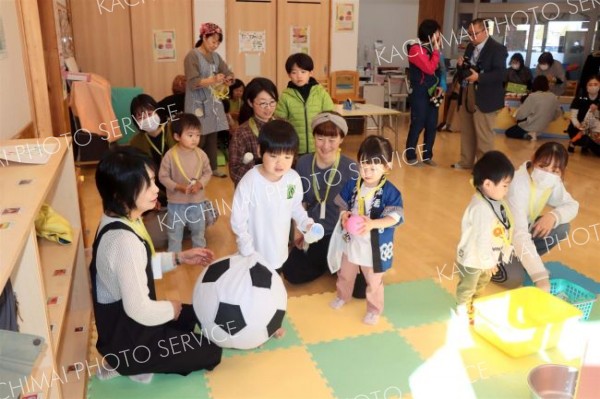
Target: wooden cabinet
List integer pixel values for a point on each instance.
(51, 281)
(289, 26)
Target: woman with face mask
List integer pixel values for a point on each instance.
(583, 109)
(537, 183)
(518, 72)
(553, 70)
(154, 138)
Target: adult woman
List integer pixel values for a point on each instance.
(206, 71)
(517, 72)
(258, 105)
(553, 70)
(424, 75)
(539, 109)
(324, 173)
(236, 93)
(154, 138)
(580, 118)
(123, 268)
(536, 184)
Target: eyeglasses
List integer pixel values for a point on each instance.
(477, 33)
(266, 105)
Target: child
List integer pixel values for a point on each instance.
(302, 100)
(487, 229)
(269, 196)
(185, 171)
(379, 204)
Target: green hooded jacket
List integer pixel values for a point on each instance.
(292, 107)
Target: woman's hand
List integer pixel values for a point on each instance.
(219, 78)
(543, 226)
(543, 284)
(593, 108)
(176, 309)
(196, 256)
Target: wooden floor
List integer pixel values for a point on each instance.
(434, 201)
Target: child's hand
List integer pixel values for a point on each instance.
(366, 226)
(298, 239)
(194, 188)
(176, 309)
(181, 188)
(593, 108)
(344, 218)
(495, 270)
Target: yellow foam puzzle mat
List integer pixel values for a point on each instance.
(419, 349)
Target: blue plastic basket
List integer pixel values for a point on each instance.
(577, 296)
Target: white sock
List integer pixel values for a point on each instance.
(105, 374)
(143, 378)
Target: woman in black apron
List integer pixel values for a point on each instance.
(137, 334)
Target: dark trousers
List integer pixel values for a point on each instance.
(303, 267)
(512, 274)
(423, 115)
(515, 132)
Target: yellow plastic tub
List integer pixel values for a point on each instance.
(524, 320)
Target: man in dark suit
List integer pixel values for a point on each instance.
(481, 94)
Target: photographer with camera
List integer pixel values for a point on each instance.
(425, 74)
(481, 72)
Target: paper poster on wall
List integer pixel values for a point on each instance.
(252, 41)
(299, 39)
(344, 20)
(252, 61)
(164, 45)
(2, 40)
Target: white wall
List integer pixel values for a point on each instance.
(15, 110)
(342, 43)
(210, 11)
(394, 22)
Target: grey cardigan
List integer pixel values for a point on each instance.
(539, 109)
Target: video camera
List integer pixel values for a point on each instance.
(464, 71)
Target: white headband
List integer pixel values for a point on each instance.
(337, 120)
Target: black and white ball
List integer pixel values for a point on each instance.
(239, 302)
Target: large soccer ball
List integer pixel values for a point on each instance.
(239, 302)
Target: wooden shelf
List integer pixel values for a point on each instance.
(31, 265)
(77, 334)
(55, 257)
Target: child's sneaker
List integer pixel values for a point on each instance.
(371, 318)
(337, 303)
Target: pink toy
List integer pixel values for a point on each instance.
(354, 223)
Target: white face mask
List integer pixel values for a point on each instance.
(515, 66)
(593, 90)
(543, 67)
(543, 179)
(150, 124)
